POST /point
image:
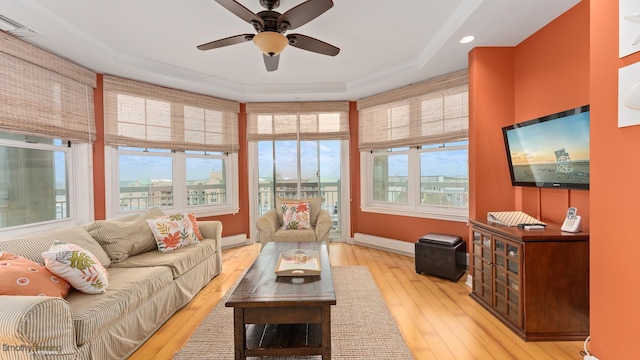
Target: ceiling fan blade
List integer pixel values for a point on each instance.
(305, 12)
(240, 11)
(311, 44)
(231, 40)
(271, 62)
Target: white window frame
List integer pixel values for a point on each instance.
(413, 207)
(179, 181)
(80, 182)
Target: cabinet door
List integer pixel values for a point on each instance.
(507, 266)
(482, 266)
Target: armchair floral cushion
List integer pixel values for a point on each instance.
(296, 215)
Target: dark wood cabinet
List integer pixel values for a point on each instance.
(535, 281)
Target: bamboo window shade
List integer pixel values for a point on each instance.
(44, 95)
(434, 111)
(143, 115)
(298, 120)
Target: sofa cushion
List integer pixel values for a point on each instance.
(179, 261)
(123, 238)
(31, 246)
(172, 232)
(78, 266)
(20, 276)
(128, 289)
(315, 205)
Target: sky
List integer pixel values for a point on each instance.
(327, 152)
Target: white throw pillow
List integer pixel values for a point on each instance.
(172, 232)
(77, 266)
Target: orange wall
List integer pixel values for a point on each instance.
(551, 71)
(354, 166)
(99, 206)
(490, 108)
(615, 195)
(570, 62)
(546, 73)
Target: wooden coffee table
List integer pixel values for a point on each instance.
(281, 316)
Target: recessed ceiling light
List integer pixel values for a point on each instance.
(467, 39)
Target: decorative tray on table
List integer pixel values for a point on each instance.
(298, 262)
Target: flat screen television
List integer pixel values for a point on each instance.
(551, 151)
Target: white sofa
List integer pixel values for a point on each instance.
(145, 288)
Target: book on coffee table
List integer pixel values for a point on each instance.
(298, 262)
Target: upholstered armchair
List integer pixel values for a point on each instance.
(295, 221)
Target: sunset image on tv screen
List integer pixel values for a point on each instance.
(555, 151)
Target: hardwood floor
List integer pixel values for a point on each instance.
(437, 317)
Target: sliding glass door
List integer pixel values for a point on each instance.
(299, 170)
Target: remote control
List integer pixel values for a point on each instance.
(534, 227)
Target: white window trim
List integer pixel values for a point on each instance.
(413, 208)
(112, 186)
(81, 204)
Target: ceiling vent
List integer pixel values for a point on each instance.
(15, 28)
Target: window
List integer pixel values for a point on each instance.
(192, 181)
(414, 150)
(300, 151)
(391, 176)
(37, 183)
(444, 175)
(206, 179)
(172, 150)
(45, 182)
(428, 181)
(302, 169)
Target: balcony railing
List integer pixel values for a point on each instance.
(134, 198)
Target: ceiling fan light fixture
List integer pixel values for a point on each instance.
(270, 42)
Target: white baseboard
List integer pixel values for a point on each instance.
(469, 281)
(235, 240)
(396, 246)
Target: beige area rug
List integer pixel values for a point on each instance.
(362, 326)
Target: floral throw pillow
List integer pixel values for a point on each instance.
(296, 215)
(78, 266)
(21, 276)
(172, 232)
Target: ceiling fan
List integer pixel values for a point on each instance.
(270, 26)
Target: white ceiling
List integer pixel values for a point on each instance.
(384, 44)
